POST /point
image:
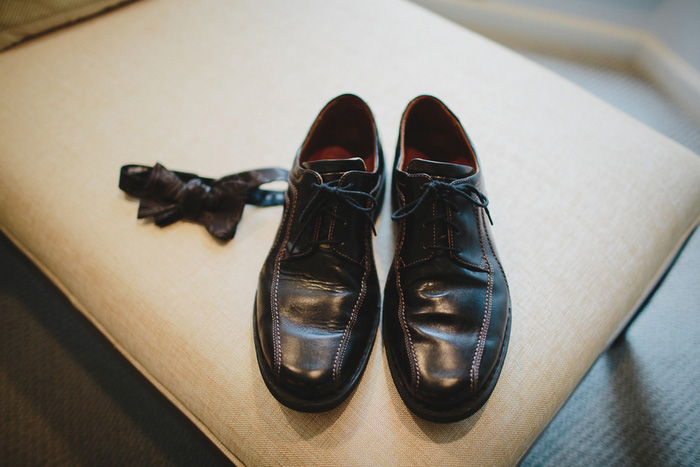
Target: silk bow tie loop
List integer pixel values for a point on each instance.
(170, 196)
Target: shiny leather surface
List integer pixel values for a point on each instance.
(446, 305)
(318, 296)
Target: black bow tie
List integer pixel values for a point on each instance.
(170, 196)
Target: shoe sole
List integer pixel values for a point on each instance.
(304, 405)
(454, 414)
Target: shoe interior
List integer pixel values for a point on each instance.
(344, 129)
(430, 131)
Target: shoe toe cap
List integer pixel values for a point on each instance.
(454, 379)
(307, 378)
(443, 389)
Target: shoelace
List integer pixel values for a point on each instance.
(437, 190)
(320, 203)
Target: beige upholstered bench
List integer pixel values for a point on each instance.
(589, 205)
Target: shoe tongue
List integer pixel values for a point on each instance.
(333, 169)
(439, 169)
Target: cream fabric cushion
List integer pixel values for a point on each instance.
(589, 205)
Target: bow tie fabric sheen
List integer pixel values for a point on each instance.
(169, 196)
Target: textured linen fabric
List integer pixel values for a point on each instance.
(589, 205)
(22, 19)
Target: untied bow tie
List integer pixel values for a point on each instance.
(170, 196)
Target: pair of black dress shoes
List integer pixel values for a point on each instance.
(446, 315)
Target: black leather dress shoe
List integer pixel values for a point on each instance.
(317, 304)
(446, 306)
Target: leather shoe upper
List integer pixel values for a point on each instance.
(318, 295)
(447, 303)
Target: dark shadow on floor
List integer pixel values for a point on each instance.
(68, 396)
(637, 429)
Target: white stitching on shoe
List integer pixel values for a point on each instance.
(317, 228)
(332, 228)
(330, 235)
(493, 251)
(415, 372)
(277, 340)
(481, 343)
(340, 357)
(431, 255)
(453, 254)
